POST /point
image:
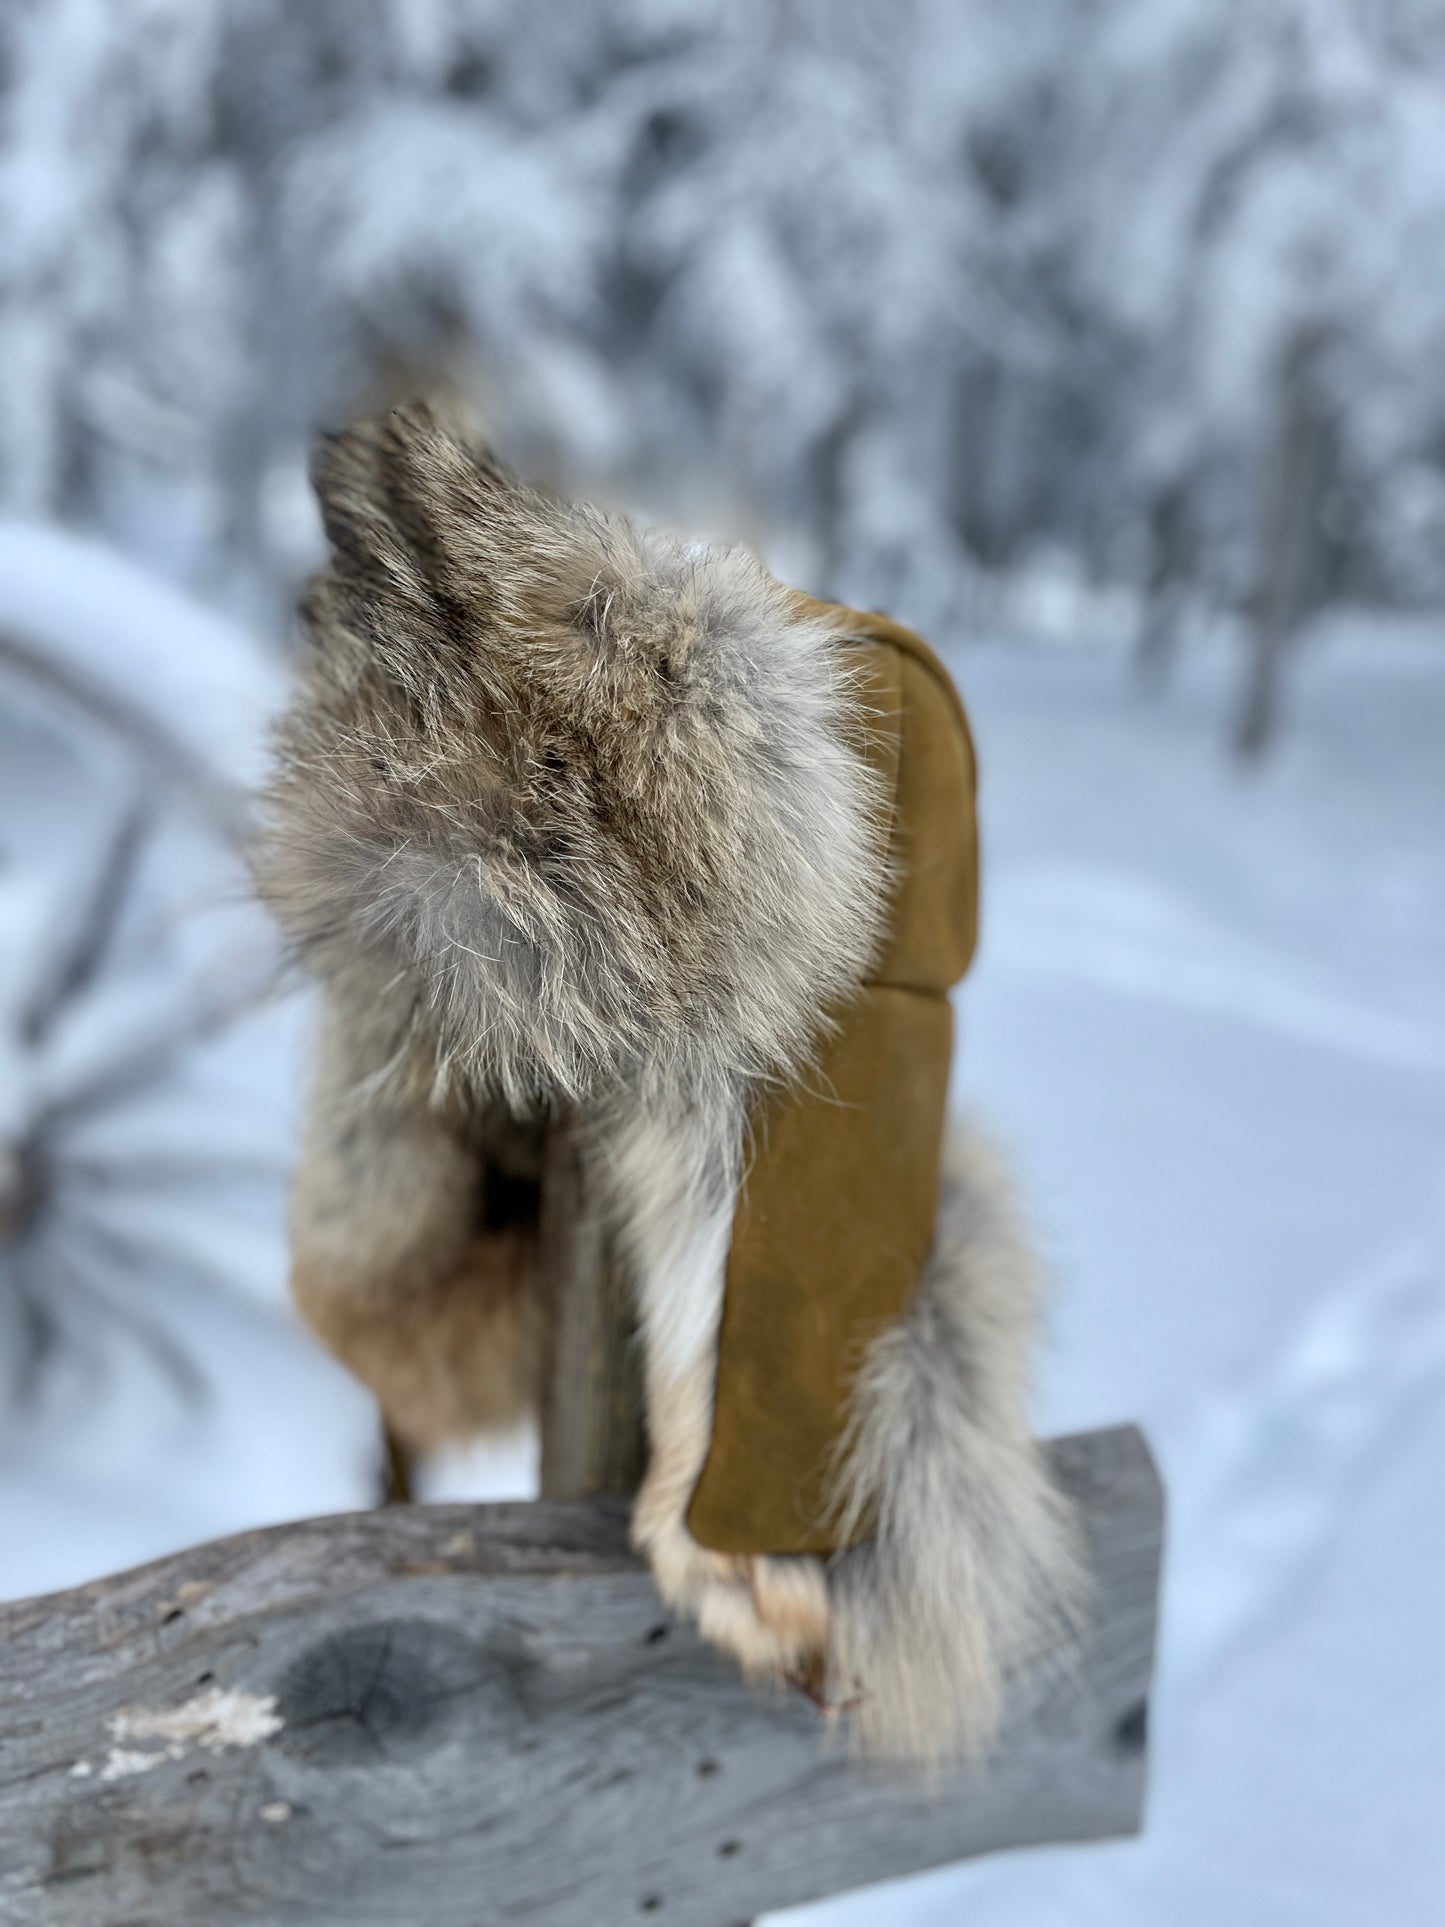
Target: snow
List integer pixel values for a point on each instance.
(1208, 1017)
(951, 307)
(153, 1389)
(140, 647)
(1209, 1014)
(925, 284)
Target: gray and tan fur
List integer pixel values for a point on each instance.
(567, 812)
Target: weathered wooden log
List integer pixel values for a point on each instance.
(456, 1715)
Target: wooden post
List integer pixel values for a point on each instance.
(592, 1404)
(449, 1716)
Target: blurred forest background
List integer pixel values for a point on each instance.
(1139, 296)
(1103, 340)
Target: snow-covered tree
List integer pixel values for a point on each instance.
(917, 288)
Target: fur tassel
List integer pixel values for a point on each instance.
(975, 1572)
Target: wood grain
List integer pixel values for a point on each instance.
(592, 1405)
(456, 1715)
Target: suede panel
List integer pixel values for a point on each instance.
(934, 923)
(835, 1216)
(832, 1229)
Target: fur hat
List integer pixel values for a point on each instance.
(569, 813)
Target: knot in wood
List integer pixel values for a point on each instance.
(387, 1691)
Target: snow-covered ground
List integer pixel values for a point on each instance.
(1209, 1014)
(1209, 1017)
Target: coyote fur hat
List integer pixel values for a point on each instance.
(570, 818)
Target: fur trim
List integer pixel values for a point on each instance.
(975, 1573)
(670, 1180)
(406, 1262)
(588, 791)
